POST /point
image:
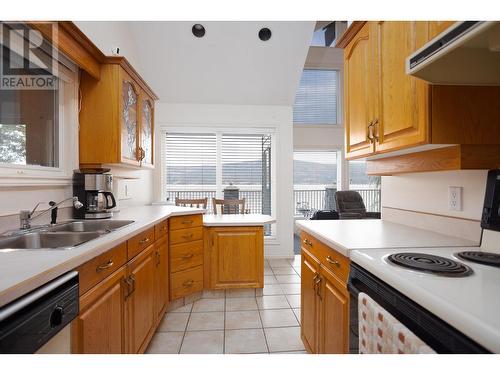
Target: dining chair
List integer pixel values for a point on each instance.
(229, 206)
(198, 203)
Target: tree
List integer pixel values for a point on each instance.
(13, 144)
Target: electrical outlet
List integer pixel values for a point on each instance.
(455, 198)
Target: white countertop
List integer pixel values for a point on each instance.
(24, 270)
(347, 235)
(470, 304)
(236, 220)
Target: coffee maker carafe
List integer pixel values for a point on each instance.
(93, 187)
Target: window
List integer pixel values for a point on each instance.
(317, 97)
(315, 175)
(367, 186)
(222, 165)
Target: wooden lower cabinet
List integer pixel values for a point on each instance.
(140, 313)
(235, 257)
(309, 301)
(333, 315)
(99, 329)
(161, 277)
(324, 300)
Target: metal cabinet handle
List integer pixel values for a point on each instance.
(332, 261)
(307, 242)
(369, 132)
(317, 287)
(374, 124)
(143, 241)
(130, 282)
(188, 236)
(158, 258)
(188, 283)
(188, 256)
(187, 222)
(104, 266)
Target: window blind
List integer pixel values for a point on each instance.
(317, 97)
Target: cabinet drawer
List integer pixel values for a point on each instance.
(101, 267)
(186, 235)
(186, 282)
(161, 229)
(186, 255)
(184, 222)
(139, 242)
(328, 257)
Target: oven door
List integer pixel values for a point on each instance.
(386, 321)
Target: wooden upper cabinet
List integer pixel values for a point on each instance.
(401, 100)
(358, 93)
(116, 117)
(129, 119)
(437, 27)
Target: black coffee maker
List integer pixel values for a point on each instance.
(490, 218)
(93, 187)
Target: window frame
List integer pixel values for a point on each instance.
(338, 119)
(35, 175)
(218, 131)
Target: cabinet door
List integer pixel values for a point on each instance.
(147, 130)
(237, 257)
(140, 301)
(129, 118)
(309, 301)
(402, 100)
(99, 328)
(333, 315)
(358, 94)
(161, 276)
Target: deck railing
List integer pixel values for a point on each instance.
(314, 199)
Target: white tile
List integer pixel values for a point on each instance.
(278, 318)
(279, 262)
(269, 279)
(243, 319)
(174, 322)
(268, 272)
(288, 279)
(206, 321)
(214, 294)
(272, 302)
(246, 341)
(284, 339)
(207, 305)
(294, 352)
(297, 269)
(290, 288)
(239, 304)
(238, 293)
(297, 314)
(165, 343)
(293, 300)
(203, 342)
(182, 309)
(284, 270)
(269, 290)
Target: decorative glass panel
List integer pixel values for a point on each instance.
(129, 121)
(147, 131)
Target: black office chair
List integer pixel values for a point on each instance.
(350, 205)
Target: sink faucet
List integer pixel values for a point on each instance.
(26, 216)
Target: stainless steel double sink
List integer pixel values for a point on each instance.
(61, 236)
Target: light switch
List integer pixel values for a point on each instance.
(455, 198)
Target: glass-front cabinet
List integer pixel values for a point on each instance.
(116, 117)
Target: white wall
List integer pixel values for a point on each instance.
(244, 116)
(428, 192)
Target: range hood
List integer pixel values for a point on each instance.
(467, 53)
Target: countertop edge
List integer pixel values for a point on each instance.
(327, 241)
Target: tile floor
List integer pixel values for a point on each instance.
(243, 321)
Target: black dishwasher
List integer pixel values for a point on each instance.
(30, 321)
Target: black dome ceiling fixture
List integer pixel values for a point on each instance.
(264, 34)
(198, 30)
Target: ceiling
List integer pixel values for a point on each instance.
(229, 65)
